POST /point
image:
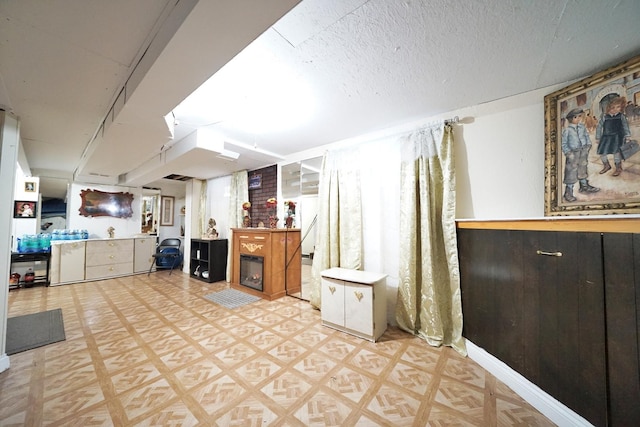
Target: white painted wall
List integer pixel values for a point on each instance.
(499, 155)
(22, 226)
(499, 152)
(124, 227)
(500, 158)
(218, 194)
(98, 225)
(171, 231)
(9, 145)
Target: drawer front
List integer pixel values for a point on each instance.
(254, 243)
(109, 252)
(145, 245)
(105, 258)
(110, 246)
(110, 270)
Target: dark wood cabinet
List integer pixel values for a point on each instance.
(536, 301)
(496, 297)
(565, 319)
(622, 288)
(208, 259)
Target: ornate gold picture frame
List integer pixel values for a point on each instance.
(592, 129)
(30, 186)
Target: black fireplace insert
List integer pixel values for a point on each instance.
(251, 271)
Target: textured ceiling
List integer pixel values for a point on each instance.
(361, 65)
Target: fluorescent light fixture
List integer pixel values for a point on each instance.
(170, 120)
(229, 155)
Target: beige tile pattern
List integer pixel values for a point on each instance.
(149, 351)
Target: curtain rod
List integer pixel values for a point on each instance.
(452, 121)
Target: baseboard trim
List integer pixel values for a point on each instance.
(536, 397)
(4, 362)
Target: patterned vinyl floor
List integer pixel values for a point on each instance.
(151, 350)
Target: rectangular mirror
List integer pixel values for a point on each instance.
(150, 210)
(300, 184)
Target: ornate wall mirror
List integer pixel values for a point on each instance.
(103, 203)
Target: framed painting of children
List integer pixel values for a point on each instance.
(24, 209)
(592, 159)
(29, 187)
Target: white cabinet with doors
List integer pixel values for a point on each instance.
(354, 302)
(67, 262)
(144, 248)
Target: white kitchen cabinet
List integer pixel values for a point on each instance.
(144, 248)
(354, 302)
(67, 262)
(108, 258)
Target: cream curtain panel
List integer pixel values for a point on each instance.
(238, 194)
(429, 303)
(339, 234)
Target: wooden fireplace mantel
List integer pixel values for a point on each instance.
(278, 247)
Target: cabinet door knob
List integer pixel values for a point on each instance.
(539, 252)
(332, 289)
(358, 295)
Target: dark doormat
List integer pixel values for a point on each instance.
(34, 330)
(230, 298)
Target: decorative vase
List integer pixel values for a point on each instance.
(246, 221)
(29, 278)
(273, 222)
(14, 279)
(288, 222)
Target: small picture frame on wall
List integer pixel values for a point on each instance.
(255, 181)
(24, 209)
(592, 154)
(166, 210)
(29, 187)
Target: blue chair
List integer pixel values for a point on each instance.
(168, 255)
